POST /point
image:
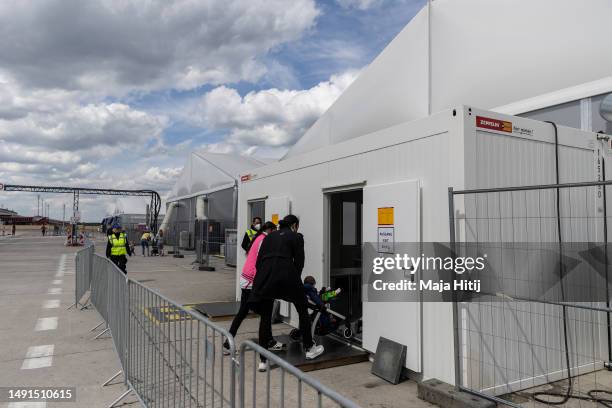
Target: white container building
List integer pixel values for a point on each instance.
(402, 134)
(408, 167)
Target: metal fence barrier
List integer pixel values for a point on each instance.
(284, 386)
(175, 356)
(83, 266)
(540, 332)
(231, 246)
(99, 286)
(171, 356)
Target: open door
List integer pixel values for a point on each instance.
(391, 219)
(345, 257)
(275, 210)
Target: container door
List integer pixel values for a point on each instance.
(276, 209)
(391, 224)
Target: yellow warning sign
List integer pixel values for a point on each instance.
(385, 216)
(275, 219)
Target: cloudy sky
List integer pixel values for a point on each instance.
(115, 93)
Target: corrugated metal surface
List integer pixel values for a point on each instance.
(507, 346)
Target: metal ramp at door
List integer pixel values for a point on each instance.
(337, 353)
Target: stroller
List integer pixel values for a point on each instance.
(324, 320)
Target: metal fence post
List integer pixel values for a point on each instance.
(451, 224)
(205, 266)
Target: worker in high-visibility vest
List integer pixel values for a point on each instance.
(118, 247)
(250, 234)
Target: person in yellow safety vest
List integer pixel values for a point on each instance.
(250, 234)
(118, 247)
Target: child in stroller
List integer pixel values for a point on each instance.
(324, 320)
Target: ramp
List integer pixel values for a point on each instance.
(219, 311)
(337, 353)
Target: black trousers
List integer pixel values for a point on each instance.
(265, 322)
(301, 306)
(264, 308)
(120, 261)
(242, 312)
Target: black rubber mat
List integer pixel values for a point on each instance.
(336, 354)
(216, 311)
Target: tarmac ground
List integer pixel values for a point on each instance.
(43, 343)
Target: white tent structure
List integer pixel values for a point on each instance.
(206, 172)
(206, 188)
(406, 130)
(512, 56)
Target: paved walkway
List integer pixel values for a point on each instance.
(44, 344)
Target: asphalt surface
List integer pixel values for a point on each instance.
(43, 343)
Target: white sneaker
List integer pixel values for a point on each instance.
(314, 352)
(263, 367)
(278, 346)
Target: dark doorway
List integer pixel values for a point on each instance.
(257, 209)
(345, 246)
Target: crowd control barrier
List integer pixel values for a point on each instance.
(285, 385)
(173, 357)
(83, 269)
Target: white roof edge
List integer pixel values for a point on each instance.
(202, 192)
(570, 94)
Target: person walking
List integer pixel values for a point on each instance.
(279, 267)
(118, 248)
(160, 242)
(43, 230)
(14, 228)
(144, 242)
(249, 235)
(246, 283)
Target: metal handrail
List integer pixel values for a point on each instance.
(321, 389)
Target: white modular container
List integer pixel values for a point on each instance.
(410, 167)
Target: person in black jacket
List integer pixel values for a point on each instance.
(279, 267)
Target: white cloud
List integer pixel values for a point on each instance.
(270, 117)
(79, 127)
(359, 4)
(52, 135)
(115, 47)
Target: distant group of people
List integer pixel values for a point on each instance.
(3, 228)
(119, 247)
(273, 268)
(155, 242)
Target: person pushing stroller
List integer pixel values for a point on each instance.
(279, 265)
